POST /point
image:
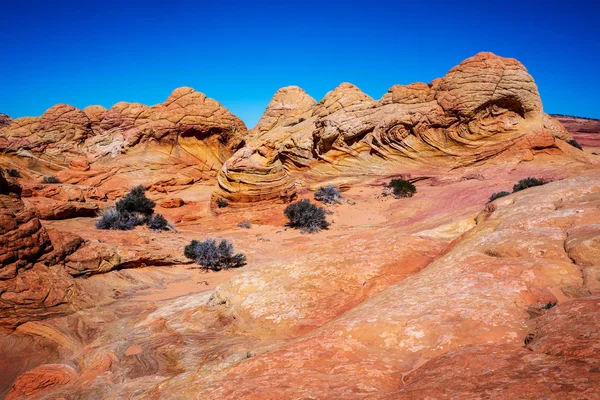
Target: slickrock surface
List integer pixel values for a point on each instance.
(441, 295)
(428, 296)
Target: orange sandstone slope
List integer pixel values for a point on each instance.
(381, 310)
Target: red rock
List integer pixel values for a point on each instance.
(488, 371)
(79, 164)
(42, 378)
(55, 209)
(172, 203)
(585, 130)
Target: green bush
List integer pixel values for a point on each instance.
(527, 183)
(306, 216)
(50, 179)
(245, 225)
(136, 201)
(402, 188)
(498, 195)
(214, 256)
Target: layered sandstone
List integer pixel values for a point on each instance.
(484, 107)
(181, 141)
(30, 287)
(286, 108)
(585, 130)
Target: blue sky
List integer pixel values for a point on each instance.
(240, 53)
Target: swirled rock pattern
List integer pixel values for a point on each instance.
(484, 107)
(29, 289)
(184, 140)
(390, 309)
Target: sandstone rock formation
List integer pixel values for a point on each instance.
(188, 136)
(63, 131)
(286, 108)
(29, 288)
(484, 107)
(5, 119)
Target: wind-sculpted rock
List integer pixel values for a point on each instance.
(345, 95)
(254, 175)
(96, 145)
(29, 289)
(287, 107)
(484, 107)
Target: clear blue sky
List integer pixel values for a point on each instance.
(101, 52)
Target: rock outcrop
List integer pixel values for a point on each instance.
(5, 119)
(287, 107)
(189, 135)
(30, 287)
(484, 107)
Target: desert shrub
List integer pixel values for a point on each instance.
(575, 144)
(306, 216)
(527, 183)
(50, 179)
(115, 220)
(498, 195)
(136, 201)
(214, 256)
(401, 188)
(245, 225)
(222, 203)
(157, 222)
(13, 173)
(328, 195)
(299, 121)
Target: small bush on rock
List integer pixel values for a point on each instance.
(328, 195)
(306, 216)
(400, 188)
(50, 179)
(13, 173)
(158, 223)
(222, 203)
(575, 144)
(214, 256)
(498, 195)
(245, 225)
(114, 220)
(136, 201)
(527, 183)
